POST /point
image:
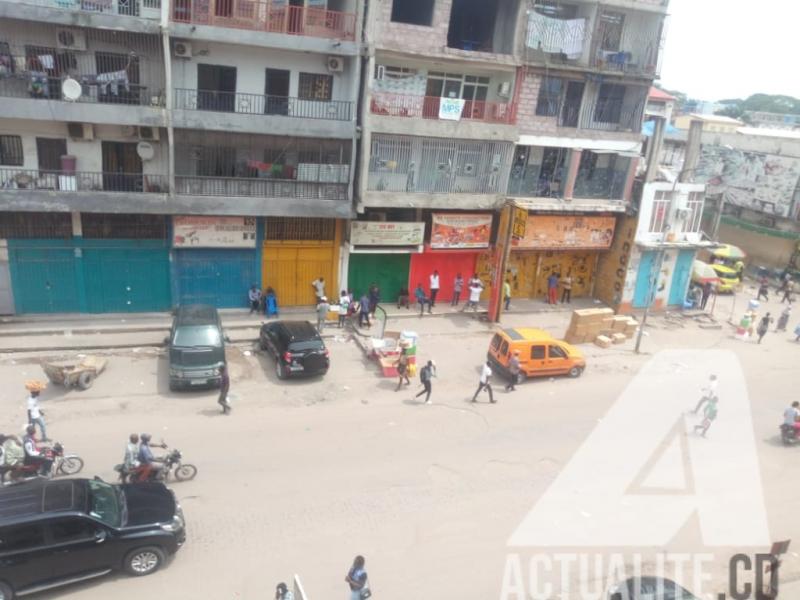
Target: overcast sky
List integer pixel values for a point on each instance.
(733, 48)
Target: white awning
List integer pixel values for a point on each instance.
(635, 148)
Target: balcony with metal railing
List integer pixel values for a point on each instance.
(258, 104)
(81, 182)
(445, 109)
(599, 115)
(255, 187)
(267, 16)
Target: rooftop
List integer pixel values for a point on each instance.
(716, 119)
(658, 95)
(789, 134)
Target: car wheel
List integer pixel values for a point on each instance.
(144, 561)
(575, 372)
(6, 593)
(279, 370)
(85, 380)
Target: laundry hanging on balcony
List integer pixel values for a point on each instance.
(562, 36)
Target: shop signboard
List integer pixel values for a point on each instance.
(213, 232)
(451, 230)
(557, 232)
(384, 233)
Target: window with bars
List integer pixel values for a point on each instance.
(313, 86)
(298, 228)
(658, 217)
(35, 225)
(549, 97)
(695, 218)
(110, 226)
(11, 151)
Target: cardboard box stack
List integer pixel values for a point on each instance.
(591, 324)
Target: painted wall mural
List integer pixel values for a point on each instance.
(762, 182)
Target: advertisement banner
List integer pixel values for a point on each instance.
(382, 233)
(555, 232)
(461, 231)
(213, 232)
(450, 109)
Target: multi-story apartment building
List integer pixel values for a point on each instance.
(158, 152)
(468, 103)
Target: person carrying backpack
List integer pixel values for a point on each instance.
(427, 373)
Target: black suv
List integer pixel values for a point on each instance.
(53, 533)
(196, 347)
(297, 347)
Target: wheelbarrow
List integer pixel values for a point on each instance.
(72, 374)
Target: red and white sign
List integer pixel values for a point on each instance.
(213, 232)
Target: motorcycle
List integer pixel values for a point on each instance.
(63, 464)
(170, 466)
(789, 435)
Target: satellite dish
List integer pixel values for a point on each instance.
(71, 89)
(145, 150)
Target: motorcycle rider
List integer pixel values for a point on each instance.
(791, 417)
(34, 454)
(131, 460)
(149, 470)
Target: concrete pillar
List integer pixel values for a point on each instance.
(365, 136)
(693, 144)
(573, 163)
(169, 95)
(654, 147)
(630, 177)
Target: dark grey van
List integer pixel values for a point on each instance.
(196, 347)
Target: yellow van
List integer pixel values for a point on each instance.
(540, 354)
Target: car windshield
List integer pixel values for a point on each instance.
(106, 503)
(197, 335)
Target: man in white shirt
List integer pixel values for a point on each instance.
(434, 287)
(35, 414)
(710, 391)
(485, 383)
(475, 289)
(319, 287)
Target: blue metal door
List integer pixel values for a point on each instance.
(126, 275)
(680, 277)
(641, 296)
(43, 276)
(219, 277)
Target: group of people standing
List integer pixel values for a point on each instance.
(554, 281)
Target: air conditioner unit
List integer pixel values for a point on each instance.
(80, 131)
(70, 39)
(504, 89)
(682, 213)
(148, 133)
(182, 50)
(335, 64)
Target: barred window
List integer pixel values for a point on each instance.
(114, 226)
(314, 86)
(658, 218)
(298, 228)
(11, 150)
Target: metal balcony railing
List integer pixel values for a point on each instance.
(263, 188)
(265, 15)
(130, 8)
(602, 115)
(429, 107)
(81, 181)
(257, 104)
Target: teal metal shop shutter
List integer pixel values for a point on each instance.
(219, 277)
(43, 278)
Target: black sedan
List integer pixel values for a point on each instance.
(297, 347)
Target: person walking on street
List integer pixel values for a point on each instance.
(254, 295)
(224, 388)
(485, 382)
(363, 311)
(434, 280)
(514, 371)
(706, 293)
(419, 294)
(322, 313)
(709, 414)
(552, 288)
(35, 414)
(506, 294)
(426, 374)
(763, 289)
(566, 293)
(710, 391)
(787, 277)
(357, 580)
(475, 289)
(458, 285)
(787, 292)
(783, 320)
(374, 298)
(319, 287)
(402, 368)
(282, 592)
(344, 307)
(763, 326)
